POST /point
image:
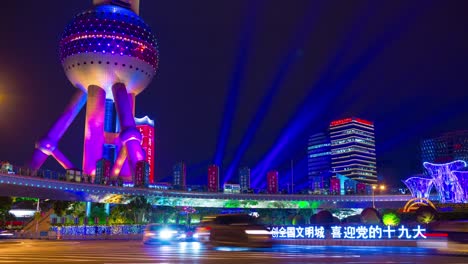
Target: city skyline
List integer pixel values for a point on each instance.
(234, 91)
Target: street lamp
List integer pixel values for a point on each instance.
(381, 187)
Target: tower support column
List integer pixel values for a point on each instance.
(48, 144)
(129, 135)
(94, 129)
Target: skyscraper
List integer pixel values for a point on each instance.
(272, 182)
(353, 149)
(446, 148)
(146, 127)
(179, 174)
(244, 178)
(103, 172)
(142, 174)
(213, 178)
(319, 162)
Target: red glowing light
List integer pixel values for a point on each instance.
(349, 120)
(436, 234)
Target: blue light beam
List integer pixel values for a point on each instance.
(298, 40)
(235, 84)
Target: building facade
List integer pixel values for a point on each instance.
(272, 182)
(446, 148)
(142, 174)
(213, 178)
(352, 143)
(146, 127)
(179, 176)
(319, 162)
(244, 179)
(103, 172)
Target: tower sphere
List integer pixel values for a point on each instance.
(106, 45)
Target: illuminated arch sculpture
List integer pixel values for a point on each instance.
(420, 187)
(462, 177)
(446, 183)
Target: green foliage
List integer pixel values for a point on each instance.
(232, 204)
(426, 215)
(391, 219)
(140, 208)
(5, 204)
(119, 215)
(249, 203)
(276, 204)
(76, 209)
(98, 210)
(60, 207)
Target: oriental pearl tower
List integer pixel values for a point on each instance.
(110, 54)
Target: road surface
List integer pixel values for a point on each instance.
(41, 251)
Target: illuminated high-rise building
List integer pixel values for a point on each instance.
(146, 127)
(272, 182)
(142, 174)
(319, 162)
(352, 143)
(445, 148)
(103, 172)
(110, 55)
(179, 175)
(244, 178)
(213, 178)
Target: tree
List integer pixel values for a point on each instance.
(60, 207)
(120, 214)
(76, 209)
(5, 207)
(140, 209)
(97, 210)
(5, 204)
(390, 219)
(426, 214)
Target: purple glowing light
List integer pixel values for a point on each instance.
(449, 185)
(420, 187)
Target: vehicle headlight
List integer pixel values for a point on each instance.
(257, 232)
(150, 234)
(166, 234)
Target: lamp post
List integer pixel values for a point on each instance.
(381, 187)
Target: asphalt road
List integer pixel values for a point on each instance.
(37, 251)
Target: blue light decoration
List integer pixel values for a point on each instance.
(351, 232)
(449, 179)
(98, 230)
(419, 187)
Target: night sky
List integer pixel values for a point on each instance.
(249, 80)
